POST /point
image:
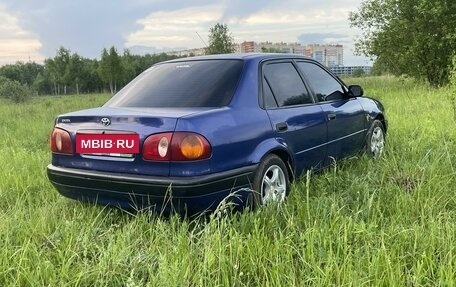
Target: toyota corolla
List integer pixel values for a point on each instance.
(187, 133)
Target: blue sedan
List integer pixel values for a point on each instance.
(188, 133)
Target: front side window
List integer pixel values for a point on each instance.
(209, 83)
(321, 82)
(285, 84)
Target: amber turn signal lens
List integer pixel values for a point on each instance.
(192, 147)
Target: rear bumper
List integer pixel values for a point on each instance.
(164, 194)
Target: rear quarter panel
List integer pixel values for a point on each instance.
(241, 133)
(234, 134)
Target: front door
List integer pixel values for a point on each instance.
(344, 114)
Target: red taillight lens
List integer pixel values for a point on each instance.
(61, 142)
(157, 147)
(178, 146)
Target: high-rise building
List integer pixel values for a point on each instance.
(292, 48)
(329, 55)
(249, 47)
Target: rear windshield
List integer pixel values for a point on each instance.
(208, 83)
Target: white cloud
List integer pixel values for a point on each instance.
(275, 23)
(16, 44)
(176, 28)
(168, 24)
(179, 27)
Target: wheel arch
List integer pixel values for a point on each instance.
(278, 148)
(382, 119)
(287, 160)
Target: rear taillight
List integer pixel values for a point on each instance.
(157, 147)
(61, 142)
(178, 146)
(189, 146)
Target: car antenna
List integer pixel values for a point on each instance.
(205, 45)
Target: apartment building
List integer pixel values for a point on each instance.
(327, 54)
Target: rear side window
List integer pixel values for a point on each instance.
(286, 85)
(209, 83)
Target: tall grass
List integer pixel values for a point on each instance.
(363, 222)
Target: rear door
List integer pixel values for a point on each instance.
(344, 114)
(297, 121)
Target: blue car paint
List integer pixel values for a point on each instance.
(241, 134)
(347, 131)
(305, 136)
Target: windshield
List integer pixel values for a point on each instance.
(206, 83)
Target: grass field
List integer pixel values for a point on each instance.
(390, 222)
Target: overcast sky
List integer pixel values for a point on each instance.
(31, 29)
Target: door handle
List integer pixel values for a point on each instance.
(281, 127)
(331, 117)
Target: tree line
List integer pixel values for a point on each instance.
(69, 73)
(408, 37)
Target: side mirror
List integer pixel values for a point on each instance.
(356, 91)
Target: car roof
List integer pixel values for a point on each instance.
(242, 56)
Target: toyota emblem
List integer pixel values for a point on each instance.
(105, 121)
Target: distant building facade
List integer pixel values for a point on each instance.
(329, 55)
(249, 47)
(350, 70)
(281, 47)
(188, 52)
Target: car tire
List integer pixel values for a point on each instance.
(375, 142)
(271, 182)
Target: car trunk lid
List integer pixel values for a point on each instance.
(105, 120)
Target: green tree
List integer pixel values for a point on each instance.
(104, 69)
(12, 72)
(30, 71)
(69, 72)
(413, 37)
(14, 91)
(51, 74)
(2, 81)
(61, 62)
(23, 73)
(110, 68)
(90, 77)
(358, 72)
(128, 66)
(42, 85)
(73, 72)
(220, 40)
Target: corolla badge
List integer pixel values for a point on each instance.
(105, 121)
